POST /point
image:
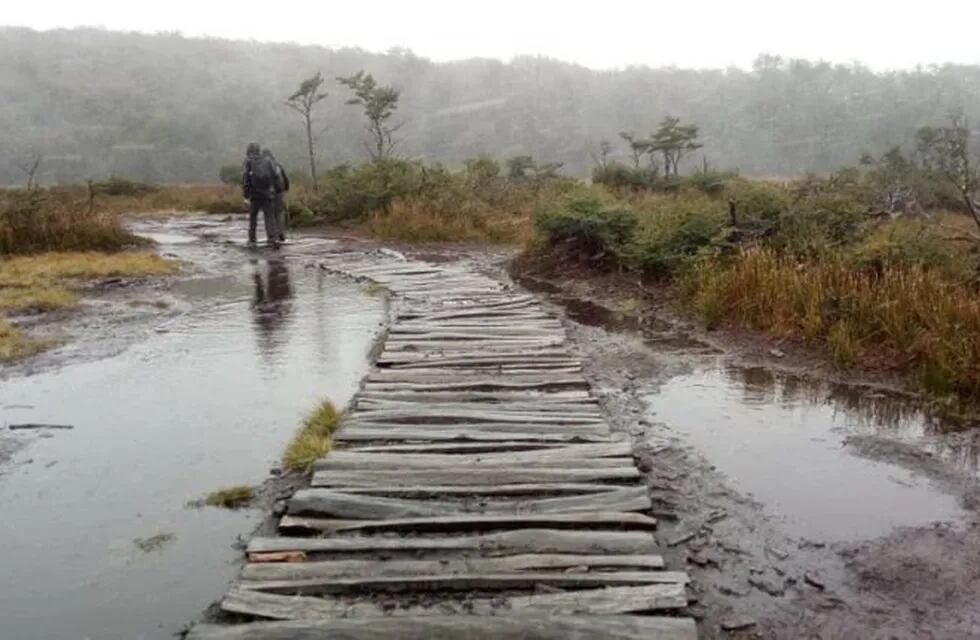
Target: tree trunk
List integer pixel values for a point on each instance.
(309, 143)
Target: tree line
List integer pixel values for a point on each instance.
(166, 108)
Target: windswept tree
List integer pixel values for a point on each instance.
(380, 103)
(302, 102)
(638, 146)
(947, 150)
(672, 140)
(601, 155)
(30, 168)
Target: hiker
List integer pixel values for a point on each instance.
(259, 187)
(282, 188)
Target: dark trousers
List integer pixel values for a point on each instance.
(270, 216)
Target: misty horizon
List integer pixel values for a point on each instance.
(623, 34)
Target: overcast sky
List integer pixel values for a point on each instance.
(602, 35)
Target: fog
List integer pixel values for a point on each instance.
(173, 108)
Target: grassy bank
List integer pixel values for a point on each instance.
(811, 261)
(51, 245)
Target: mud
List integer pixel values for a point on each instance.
(802, 507)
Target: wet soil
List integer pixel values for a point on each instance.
(168, 402)
(803, 506)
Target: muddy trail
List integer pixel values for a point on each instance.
(800, 508)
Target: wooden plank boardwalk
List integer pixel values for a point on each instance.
(475, 490)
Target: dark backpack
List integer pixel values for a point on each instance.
(262, 176)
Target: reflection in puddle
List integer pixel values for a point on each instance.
(210, 402)
(779, 438)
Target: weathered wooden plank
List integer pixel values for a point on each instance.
(374, 404)
(502, 564)
(462, 447)
(475, 384)
(463, 475)
(538, 489)
(516, 542)
(574, 456)
(414, 397)
(433, 414)
(607, 601)
(464, 582)
(340, 504)
(585, 520)
(447, 433)
(459, 627)
(499, 428)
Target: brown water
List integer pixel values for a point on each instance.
(781, 440)
(208, 399)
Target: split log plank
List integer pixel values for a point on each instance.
(503, 564)
(586, 520)
(608, 601)
(504, 627)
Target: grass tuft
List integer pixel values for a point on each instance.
(313, 440)
(231, 497)
(14, 345)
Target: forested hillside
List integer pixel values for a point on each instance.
(173, 109)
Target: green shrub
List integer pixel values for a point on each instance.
(673, 229)
(587, 227)
(116, 186)
(230, 174)
(914, 243)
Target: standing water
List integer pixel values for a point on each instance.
(98, 541)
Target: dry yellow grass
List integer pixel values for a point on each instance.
(27, 271)
(313, 439)
(14, 345)
(905, 318)
(44, 282)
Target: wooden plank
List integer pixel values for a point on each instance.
(515, 542)
(539, 489)
(574, 456)
(415, 397)
(541, 626)
(452, 447)
(463, 582)
(464, 475)
(607, 601)
(431, 414)
(585, 520)
(503, 564)
(342, 461)
(339, 504)
(497, 428)
(465, 433)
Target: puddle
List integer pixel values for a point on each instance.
(780, 439)
(209, 400)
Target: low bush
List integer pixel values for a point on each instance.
(36, 221)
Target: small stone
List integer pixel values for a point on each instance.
(814, 580)
(731, 589)
(737, 623)
(681, 538)
(776, 353)
(767, 584)
(778, 553)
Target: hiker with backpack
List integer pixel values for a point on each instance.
(282, 187)
(261, 184)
